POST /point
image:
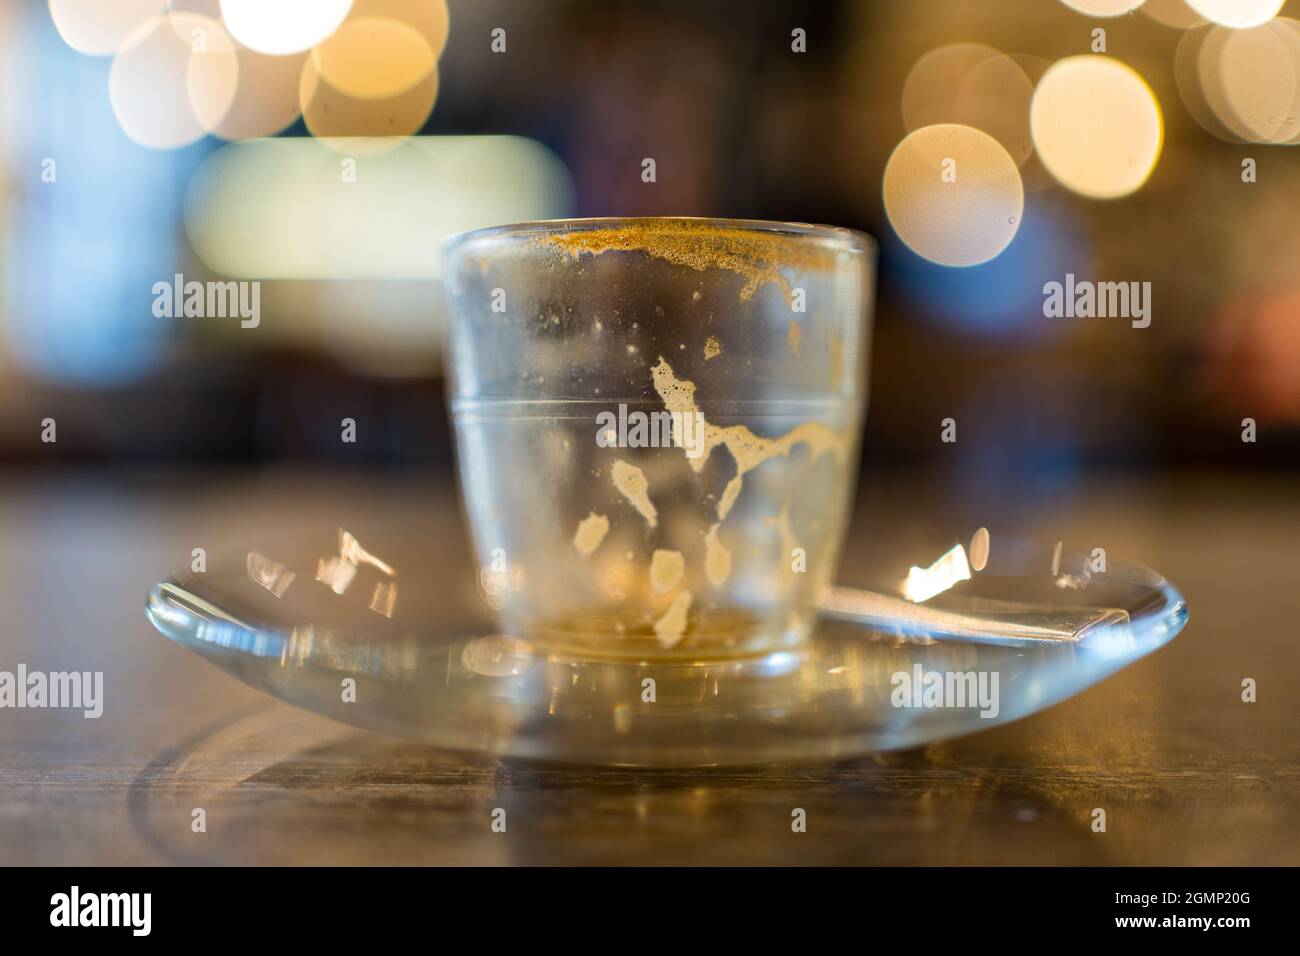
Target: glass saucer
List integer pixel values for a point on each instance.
(391, 637)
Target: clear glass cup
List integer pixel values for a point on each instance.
(657, 426)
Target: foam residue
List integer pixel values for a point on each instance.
(717, 559)
(756, 255)
(666, 570)
(591, 532)
(748, 450)
(632, 484)
(670, 628)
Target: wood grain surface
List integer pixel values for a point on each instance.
(1187, 772)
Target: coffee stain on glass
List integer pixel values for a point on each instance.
(666, 570)
(670, 628)
(633, 485)
(591, 532)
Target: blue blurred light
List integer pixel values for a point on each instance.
(1003, 297)
(82, 252)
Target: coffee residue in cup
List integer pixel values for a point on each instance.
(748, 450)
(756, 255)
(717, 559)
(591, 532)
(668, 567)
(670, 628)
(666, 570)
(631, 482)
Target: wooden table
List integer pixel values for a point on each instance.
(1187, 772)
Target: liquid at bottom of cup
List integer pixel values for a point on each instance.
(532, 475)
(716, 635)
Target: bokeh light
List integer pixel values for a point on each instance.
(363, 69)
(279, 208)
(1241, 84)
(1254, 352)
(428, 17)
(1170, 13)
(374, 58)
(1097, 126)
(100, 27)
(1288, 131)
(283, 26)
(1103, 8)
(332, 114)
(1000, 299)
(972, 85)
(1187, 77)
(953, 194)
(266, 100)
(994, 96)
(167, 91)
(1237, 13)
(1249, 79)
(79, 257)
(931, 87)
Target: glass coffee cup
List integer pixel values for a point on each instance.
(657, 427)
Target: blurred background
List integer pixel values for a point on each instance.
(144, 139)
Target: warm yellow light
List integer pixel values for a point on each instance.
(331, 113)
(1288, 132)
(1096, 126)
(429, 17)
(173, 80)
(932, 84)
(99, 27)
(283, 26)
(1187, 76)
(282, 208)
(1248, 78)
(953, 194)
(973, 85)
(1103, 8)
(994, 97)
(1240, 85)
(1237, 13)
(374, 58)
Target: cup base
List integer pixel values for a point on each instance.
(710, 636)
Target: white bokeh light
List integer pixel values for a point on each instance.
(1238, 14)
(1097, 126)
(283, 26)
(953, 194)
(167, 91)
(1103, 8)
(99, 27)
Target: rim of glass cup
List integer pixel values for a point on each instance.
(851, 240)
